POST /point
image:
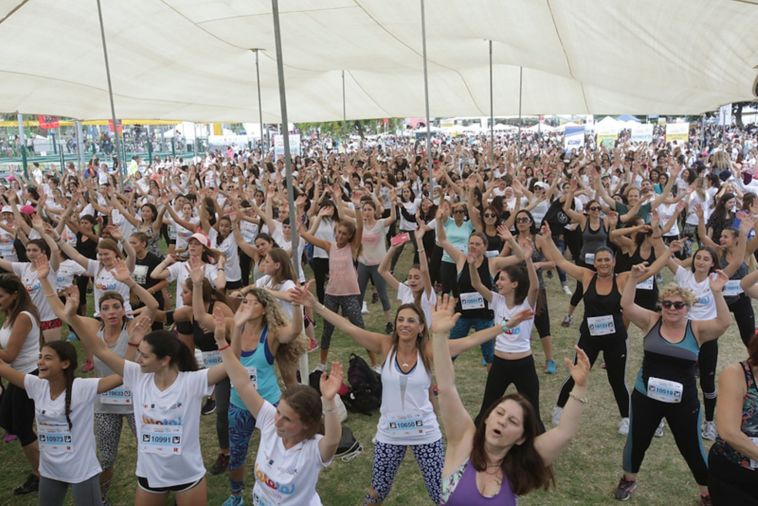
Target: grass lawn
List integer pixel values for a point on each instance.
(586, 473)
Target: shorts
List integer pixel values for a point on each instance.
(143, 484)
(17, 414)
(233, 285)
(51, 324)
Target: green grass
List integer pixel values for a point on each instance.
(586, 472)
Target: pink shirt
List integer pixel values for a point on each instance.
(343, 278)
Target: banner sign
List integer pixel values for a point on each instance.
(679, 132)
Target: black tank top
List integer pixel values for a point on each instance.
(203, 340)
(600, 311)
(477, 306)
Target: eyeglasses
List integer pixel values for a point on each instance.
(668, 304)
(594, 208)
(523, 219)
(459, 211)
(490, 215)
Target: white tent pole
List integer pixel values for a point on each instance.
(22, 145)
(79, 147)
(492, 115)
(260, 107)
(344, 104)
(426, 105)
(110, 90)
(520, 88)
(303, 363)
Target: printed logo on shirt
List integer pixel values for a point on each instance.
(106, 287)
(263, 479)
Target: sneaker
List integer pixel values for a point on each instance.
(567, 290)
(388, 328)
(484, 363)
(234, 500)
(71, 337)
(222, 462)
(659, 430)
(374, 298)
(30, 486)
(320, 367)
(566, 321)
(557, 415)
(209, 406)
(312, 345)
(624, 489)
(624, 426)
(550, 274)
(88, 366)
(364, 310)
(550, 367)
(709, 431)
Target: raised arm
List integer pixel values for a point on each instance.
(732, 393)
(422, 261)
(476, 280)
(749, 284)
(329, 384)
(708, 330)
(641, 317)
(384, 268)
(551, 252)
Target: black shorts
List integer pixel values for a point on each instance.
(234, 285)
(17, 414)
(143, 484)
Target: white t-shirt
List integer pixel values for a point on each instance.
(7, 249)
(104, 281)
(180, 271)
(168, 425)
(704, 307)
(285, 477)
(67, 269)
(183, 235)
(405, 296)
(28, 356)
(665, 212)
(324, 231)
(30, 280)
(517, 339)
(232, 269)
(265, 282)
(65, 455)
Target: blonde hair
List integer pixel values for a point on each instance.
(672, 289)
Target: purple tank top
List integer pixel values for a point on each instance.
(466, 492)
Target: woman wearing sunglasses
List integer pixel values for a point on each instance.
(666, 385)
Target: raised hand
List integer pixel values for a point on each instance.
(72, 300)
(639, 271)
(302, 295)
(718, 280)
(504, 233)
(521, 316)
(142, 325)
(42, 266)
(330, 383)
(219, 332)
(444, 315)
(581, 370)
(120, 271)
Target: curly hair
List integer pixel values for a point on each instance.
(677, 291)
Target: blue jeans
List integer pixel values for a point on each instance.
(463, 327)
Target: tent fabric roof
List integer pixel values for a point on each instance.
(191, 59)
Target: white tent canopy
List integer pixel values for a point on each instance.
(191, 59)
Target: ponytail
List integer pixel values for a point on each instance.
(166, 344)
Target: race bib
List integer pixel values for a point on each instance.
(55, 437)
(253, 373)
(161, 439)
(120, 396)
(647, 284)
(211, 358)
(472, 300)
(589, 258)
(753, 462)
(664, 390)
(601, 325)
(140, 274)
(492, 253)
(406, 424)
(732, 288)
(171, 229)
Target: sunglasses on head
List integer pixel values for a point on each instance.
(668, 304)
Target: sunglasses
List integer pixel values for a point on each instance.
(594, 208)
(459, 211)
(668, 304)
(490, 215)
(523, 220)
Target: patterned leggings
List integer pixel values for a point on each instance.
(387, 458)
(108, 434)
(241, 427)
(351, 309)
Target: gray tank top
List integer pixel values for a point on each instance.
(115, 401)
(591, 241)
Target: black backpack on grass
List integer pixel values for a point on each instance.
(365, 395)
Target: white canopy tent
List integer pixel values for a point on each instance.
(192, 59)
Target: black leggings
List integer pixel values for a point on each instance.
(683, 419)
(707, 359)
(744, 316)
(246, 266)
(520, 372)
(448, 276)
(320, 268)
(223, 390)
(730, 484)
(542, 314)
(614, 353)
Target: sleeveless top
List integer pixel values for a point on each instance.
(494, 245)
(260, 365)
(406, 414)
(119, 399)
(647, 290)
(343, 278)
(602, 313)
(732, 290)
(591, 241)
(669, 370)
(470, 303)
(459, 489)
(749, 424)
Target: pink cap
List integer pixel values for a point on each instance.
(202, 239)
(27, 209)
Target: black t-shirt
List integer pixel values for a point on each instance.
(142, 270)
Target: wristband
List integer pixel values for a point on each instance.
(228, 345)
(506, 327)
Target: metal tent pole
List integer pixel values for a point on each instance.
(260, 107)
(492, 116)
(520, 89)
(22, 145)
(426, 105)
(110, 91)
(344, 106)
(79, 145)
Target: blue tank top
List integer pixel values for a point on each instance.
(260, 363)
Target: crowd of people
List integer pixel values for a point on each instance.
(483, 231)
